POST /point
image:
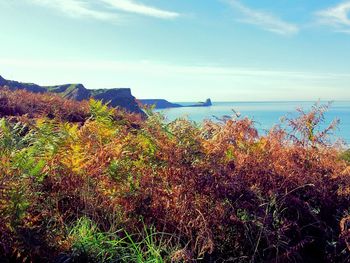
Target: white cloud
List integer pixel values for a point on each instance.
(263, 19)
(133, 7)
(75, 8)
(97, 9)
(336, 16)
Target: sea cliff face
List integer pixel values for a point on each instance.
(119, 97)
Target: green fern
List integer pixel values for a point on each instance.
(101, 112)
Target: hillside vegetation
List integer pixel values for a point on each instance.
(82, 182)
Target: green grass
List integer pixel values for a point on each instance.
(96, 92)
(120, 246)
(54, 89)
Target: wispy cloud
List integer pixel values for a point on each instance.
(133, 7)
(263, 19)
(336, 16)
(104, 9)
(75, 8)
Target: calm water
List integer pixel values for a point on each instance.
(265, 114)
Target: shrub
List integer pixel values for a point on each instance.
(109, 185)
(345, 156)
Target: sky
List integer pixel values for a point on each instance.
(182, 50)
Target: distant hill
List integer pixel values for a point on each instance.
(119, 97)
(160, 103)
(164, 104)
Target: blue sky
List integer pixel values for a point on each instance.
(182, 50)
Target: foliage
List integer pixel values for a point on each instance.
(85, 182)
(345, 156)
(147, 246)
(21, 102)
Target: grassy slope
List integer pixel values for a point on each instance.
(54, 89)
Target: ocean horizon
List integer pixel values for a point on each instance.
(265, 114)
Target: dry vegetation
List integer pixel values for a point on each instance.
(82, 182)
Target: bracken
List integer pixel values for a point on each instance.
(213, 192)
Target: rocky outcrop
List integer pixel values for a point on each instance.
(207, 103)
(120, 97)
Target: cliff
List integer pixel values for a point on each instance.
(120, 97)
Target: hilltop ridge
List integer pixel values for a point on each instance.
(117, 97)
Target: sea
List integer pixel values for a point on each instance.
(266, 114)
